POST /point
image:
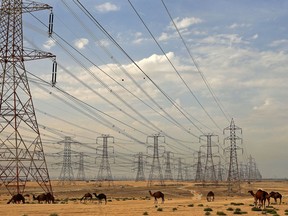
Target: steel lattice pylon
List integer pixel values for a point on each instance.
(140, 168)
(21, 152)
(156, 171)
(104, 173)
(233, 171)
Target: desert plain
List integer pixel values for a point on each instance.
(131, 198)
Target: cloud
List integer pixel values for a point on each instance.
(81, 43)
(238, 25)
(49, 43)
(185, 22)
(279, 43)
(107, 7)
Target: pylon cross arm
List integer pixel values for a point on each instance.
(29, 54)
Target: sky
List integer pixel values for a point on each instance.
(177, 70)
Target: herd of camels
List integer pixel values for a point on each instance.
(260, 197)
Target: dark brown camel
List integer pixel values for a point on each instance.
(86, 197)
(50, 198)
(262, 196)
(100, 197)
(210, 196)
(41, 198)
(157, 195)
(276, 195)
(17, 198)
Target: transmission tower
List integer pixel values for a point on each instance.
(209, 169)
(233, 171)
(156, 171)
(104, 173)
(168, 172)
(140, 168)
(199, 172)
(22, 156)
(81, 173)
(180, 172)
(66, 174)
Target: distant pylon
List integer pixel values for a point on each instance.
(168, 171)
(22, 156)
(209, 169)
(66, 174)
(219, 171)
(81, 172)
(104, 173)
(233, 171)
(180, 172)
(156, 171)
(140, 168)
(199, 172)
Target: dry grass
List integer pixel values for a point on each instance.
(132, 198)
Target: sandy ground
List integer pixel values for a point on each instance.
(132, 198)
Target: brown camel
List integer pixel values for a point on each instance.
(17, 198)
(86, 197)
(157, 195)
(41, 198)
(100, 197)
(50, 198)
(210, 196)
(262, 196)
(276, 195)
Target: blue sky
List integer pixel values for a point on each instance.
(240, 47)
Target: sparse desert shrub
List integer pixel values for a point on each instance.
(159, 209)
(207, 213)
(200, 205)
(191, 205)
(270, 211)
(53, 214)
(230, 209)
(236, 204)
(286, 212)
(208, 209)
(174, 209)
(220, 213)
(256, 209)
(145, 213)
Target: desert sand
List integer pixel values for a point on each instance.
(131, 198)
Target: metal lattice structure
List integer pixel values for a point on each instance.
(199, 172)
(180, 172)
(140, 168)
(233, 171)
(81, 171)
(66, 174)
(209, 169)
(21, 152)
(168, 172)
(104, 173)
(156, 171)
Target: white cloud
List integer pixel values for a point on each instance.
(107, 7)
(185, 22)
(278, 43)
(238, 25)
(81, 43)
(49, 43)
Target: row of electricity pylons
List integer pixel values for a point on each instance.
(22, 157)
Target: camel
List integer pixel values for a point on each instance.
(210, 196)
(50, 198)
(276, 195)
(17, 199)
(100, 197)
(157, 195)
(262, 196)
(41, 198)
(86, 197)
